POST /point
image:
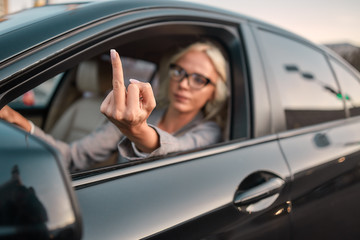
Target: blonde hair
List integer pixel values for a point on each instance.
(213, 109)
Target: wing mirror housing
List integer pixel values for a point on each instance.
(36, 197)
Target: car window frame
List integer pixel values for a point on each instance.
(205, 150)
(87, 48)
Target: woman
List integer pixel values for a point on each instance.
(188, 118)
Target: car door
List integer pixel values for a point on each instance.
(191, 196)
(318, 139)
(236, 189)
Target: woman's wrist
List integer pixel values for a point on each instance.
(22, 122)
(32, 127)
(144, 137)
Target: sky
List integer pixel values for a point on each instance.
(321, 21)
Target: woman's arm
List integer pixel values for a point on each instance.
(94, 147)
(80, 154)
(10, 115)
(202, 135)
(129, 108)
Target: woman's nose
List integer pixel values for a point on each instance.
(184, 83)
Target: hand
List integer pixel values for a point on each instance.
(129, 110)
(11, 116)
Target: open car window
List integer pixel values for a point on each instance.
(144, 53)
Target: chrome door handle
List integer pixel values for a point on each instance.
(255, 194)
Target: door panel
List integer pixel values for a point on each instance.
(326, 187)
(186, 197)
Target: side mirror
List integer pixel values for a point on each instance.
(36, 197)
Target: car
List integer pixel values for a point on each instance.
(288, 167)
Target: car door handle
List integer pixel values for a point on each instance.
(262, 191)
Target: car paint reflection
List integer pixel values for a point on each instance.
(29, 203)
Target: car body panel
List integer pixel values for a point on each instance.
(172, 194)
(260, 99)
(326, 179)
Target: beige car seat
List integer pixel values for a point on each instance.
(93, 79)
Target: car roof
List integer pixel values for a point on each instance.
(37, 25)
(94, 11)
(58, 21)
(26, 29)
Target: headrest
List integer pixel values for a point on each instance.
(94, 76)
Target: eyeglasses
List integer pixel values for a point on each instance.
(195, 80)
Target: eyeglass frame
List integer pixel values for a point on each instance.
(187, 75)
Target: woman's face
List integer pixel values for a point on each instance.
(182, 97)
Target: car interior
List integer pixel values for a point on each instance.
(73, 107)
(83, 116)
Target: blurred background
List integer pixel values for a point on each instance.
(332, 23)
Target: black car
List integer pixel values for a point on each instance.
(288, 168)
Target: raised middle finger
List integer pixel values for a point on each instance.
(119, 89)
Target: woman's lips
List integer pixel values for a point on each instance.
(181, 98)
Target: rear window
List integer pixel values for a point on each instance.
(306, 86)
(38, 97)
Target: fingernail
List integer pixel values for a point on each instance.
(134, 81)
(112, 54)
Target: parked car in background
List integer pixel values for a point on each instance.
(288, 168)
